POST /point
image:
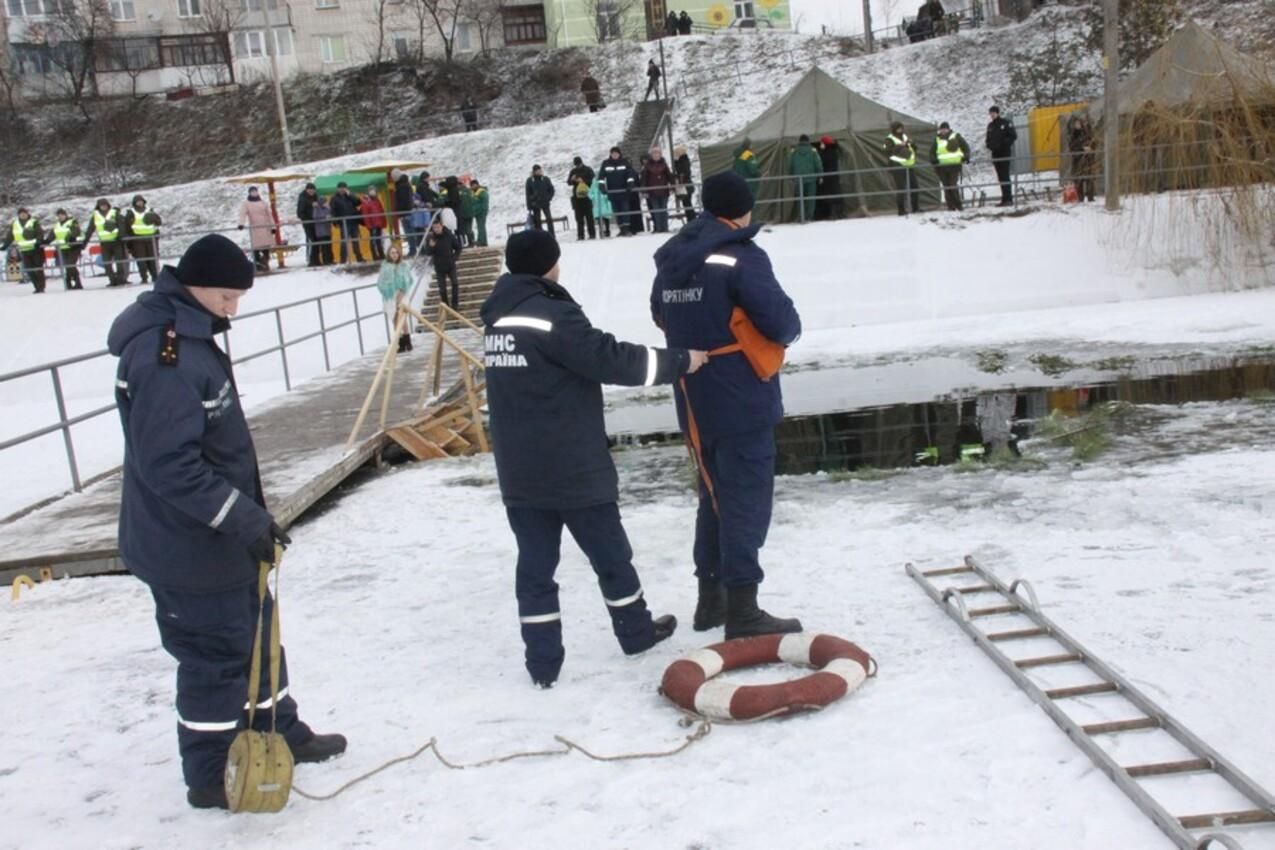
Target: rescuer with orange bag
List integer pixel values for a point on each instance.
(715, 290)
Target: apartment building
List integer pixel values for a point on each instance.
(153, 46)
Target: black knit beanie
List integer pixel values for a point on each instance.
(215, 261)
(727, 195)
(531, 252)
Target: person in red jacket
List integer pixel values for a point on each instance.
(374, 220)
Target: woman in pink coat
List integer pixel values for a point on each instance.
(255, 213)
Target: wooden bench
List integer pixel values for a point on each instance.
(514, 226)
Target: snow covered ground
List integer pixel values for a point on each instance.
(400, 623)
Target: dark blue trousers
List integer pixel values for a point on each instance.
(600, 535)
(210, 635)
(729, 535)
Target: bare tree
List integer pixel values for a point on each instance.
(444, 16)
(73, 32)
(377, 48)
(488, 17)
(219, 18)
(611, 19)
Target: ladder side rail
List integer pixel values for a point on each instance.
(1224, 768)
(1168, 824)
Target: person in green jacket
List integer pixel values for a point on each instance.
(482, 203)
(394, 283)
(465, 214)
(804, 164)
(746, 166)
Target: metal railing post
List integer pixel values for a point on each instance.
(66, 430)
(323, 334)
(358, 320)
(283, 350)
(801, 198)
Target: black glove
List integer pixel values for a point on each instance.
(262, 549)
(241, 227)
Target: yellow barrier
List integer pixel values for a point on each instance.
(1046, 126)
(18, 584)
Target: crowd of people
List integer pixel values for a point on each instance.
(121, 234)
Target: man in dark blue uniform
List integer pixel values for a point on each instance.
(710, 268)
(545, 366)
(193, 522)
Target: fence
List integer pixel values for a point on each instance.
(65, 422)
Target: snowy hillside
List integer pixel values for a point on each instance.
(722, 83)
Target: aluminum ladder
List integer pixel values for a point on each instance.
(1019, 598)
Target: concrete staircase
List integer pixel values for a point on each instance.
(477, 269)
(643, 126)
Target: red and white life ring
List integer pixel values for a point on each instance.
(688, 682)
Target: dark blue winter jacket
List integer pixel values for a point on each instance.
(617, 175)
(702, 274)
(192, 499)
(545, 369)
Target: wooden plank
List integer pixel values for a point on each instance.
(995, 609)
(976, 588)
(1121, 726)
(416, 445)
(1216, 819)
(950, 571)
(1018, 634)
(1046, 660)
(1165, 768)
(1083, 690)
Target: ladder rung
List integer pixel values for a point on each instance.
(1083, 690)
(1164, 768)
(1121, 726)
(1227, 819)
(949, 571)
(995, 609)
(977, 588)
(1018, 634)
(1045, 660)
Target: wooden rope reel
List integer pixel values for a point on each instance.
(843, 667)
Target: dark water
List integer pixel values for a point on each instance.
(972, 424)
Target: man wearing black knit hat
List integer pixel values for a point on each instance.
(193, 521)
(711, 280)
(545, 366)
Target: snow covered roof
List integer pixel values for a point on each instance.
(271, 175)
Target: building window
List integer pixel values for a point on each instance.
(127, 54)
(327, 4)
(524, 24)
(31, 59)
(32, 8)
(282, 41)
(610, 21)
(743, 10)
(188, 8)
(332, 49)
(186, 50)
(401, 46)
(257, 5)
(250, 44)
(466, 37)
(122, 10)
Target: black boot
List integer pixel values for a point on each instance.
(745, 619)
(664, 628)
(212, 797)
(318, 748)
(710, 611)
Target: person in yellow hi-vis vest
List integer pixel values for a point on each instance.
(65, 237)
(951, 151)
(105, 222)
(902, 155)
(26, 235)
(140, 226)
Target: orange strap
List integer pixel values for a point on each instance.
(693, 443)
(726, 349)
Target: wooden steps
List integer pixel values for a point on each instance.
(445, 430)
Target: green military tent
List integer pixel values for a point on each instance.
(819, 106)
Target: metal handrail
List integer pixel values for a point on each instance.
(66, 422)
